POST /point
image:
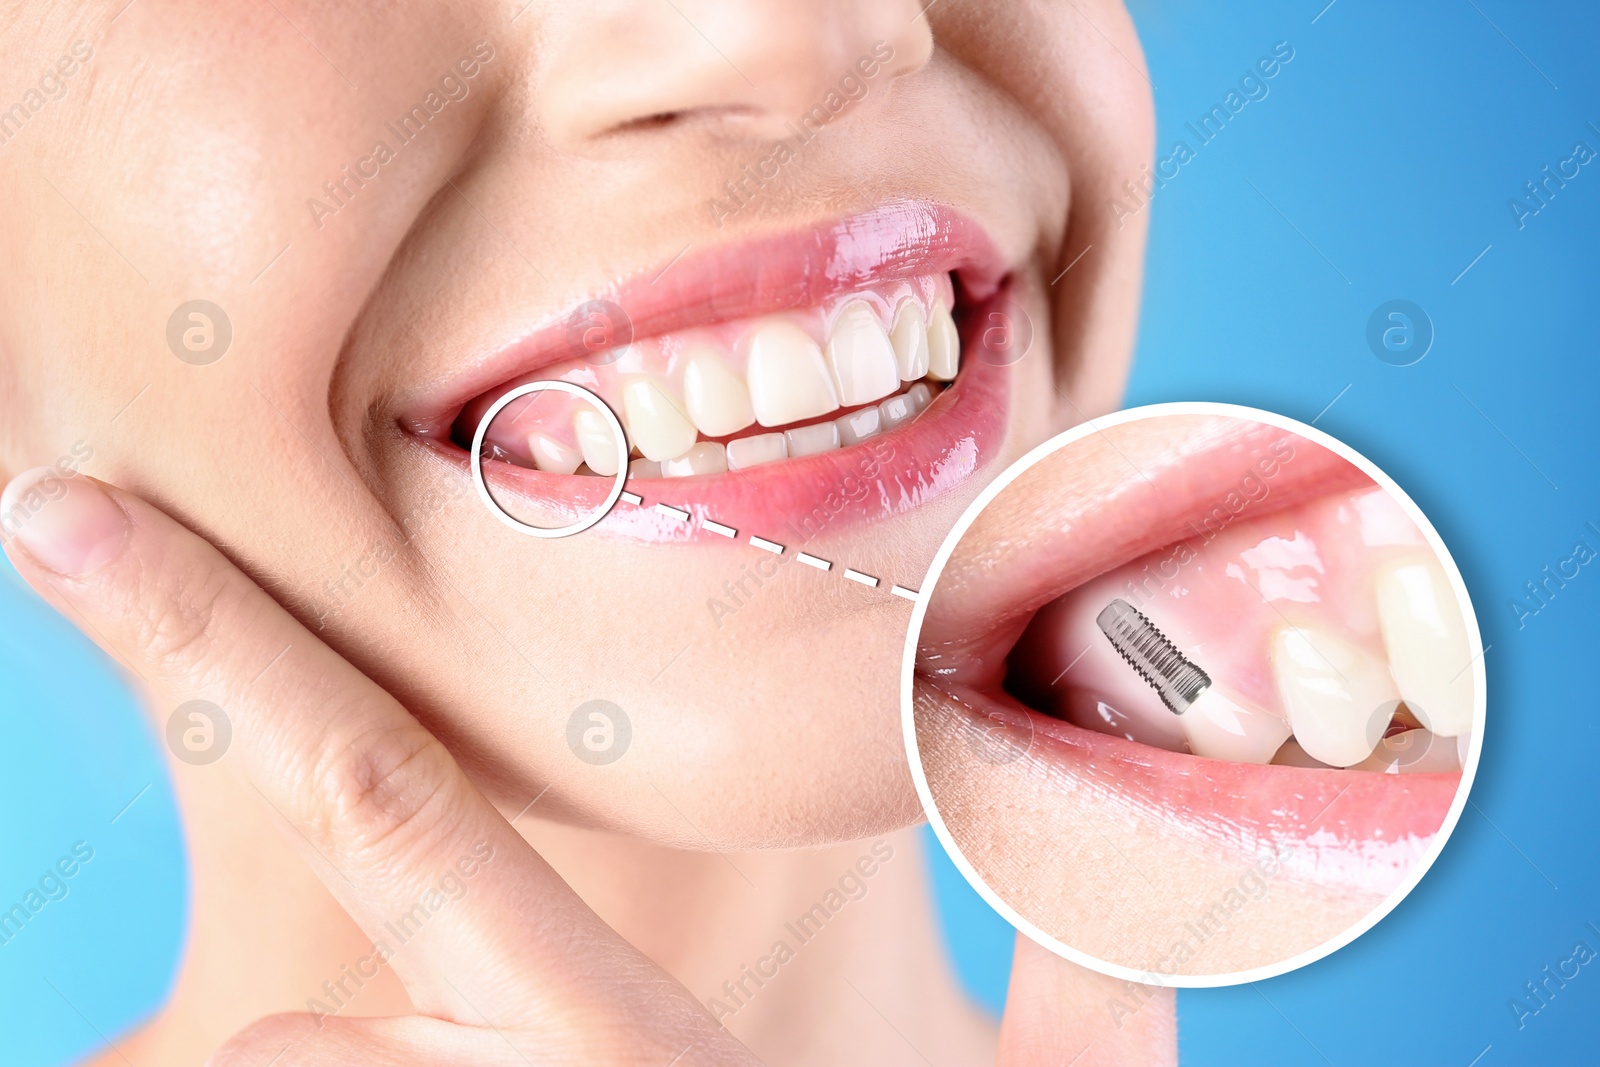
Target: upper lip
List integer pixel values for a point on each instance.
(702, 286)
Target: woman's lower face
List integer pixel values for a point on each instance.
(399, 214)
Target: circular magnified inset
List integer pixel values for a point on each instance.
(553, 427)
(1193, 694)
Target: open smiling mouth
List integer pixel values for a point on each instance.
(1249, 639)
(755, 382)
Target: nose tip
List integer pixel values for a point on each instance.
(744, 67)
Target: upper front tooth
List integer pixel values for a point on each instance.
(656, 423)
(1334, 692)
(1218, 726)
(862, 358)
(595, 439)
(944, 344)
(788, 379)
(1426, 640)
(553, 456)
(910, 339)
(718, 402)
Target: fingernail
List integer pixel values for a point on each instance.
(69, 526)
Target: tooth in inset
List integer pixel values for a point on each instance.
(716, 397)
(861, 356)
(1412, 752)
(1292, 755)
(788, 379)
(944, 344)
(1334, 693)
(896, 409)
(1222, 727)
(553, 456)
(754, 451)
(910, 339)
(596, 441)
(859, 425)
(1426, 641)
(707, 457)
(920, 395)
(644, 468)
(658, 426)
(809, 440)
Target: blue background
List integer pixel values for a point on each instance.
(1378, 167)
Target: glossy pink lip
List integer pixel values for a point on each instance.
(883, 476)
(1387, 819)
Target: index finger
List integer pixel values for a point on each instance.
(383, 809)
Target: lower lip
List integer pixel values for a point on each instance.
(791, 500)
(1356, 830)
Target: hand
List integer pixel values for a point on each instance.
(517, 970)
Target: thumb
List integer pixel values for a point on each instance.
(1062, 1015)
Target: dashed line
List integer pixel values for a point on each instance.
(757, 541)
(672, 512)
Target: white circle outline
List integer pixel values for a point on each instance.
(550, 531)
(1116, 970)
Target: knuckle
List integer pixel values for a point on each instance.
(177, 620)
(381, 788)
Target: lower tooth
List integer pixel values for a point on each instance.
(644, 468)
(810, 440)
(553, 456)
(1334, 694)
(754, 451)
(895, 410)
(859, 425)
(1292, 755)
(921, 395)
(707, 457)
(1412, 752)
(1221, 727)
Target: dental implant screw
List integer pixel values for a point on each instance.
(1174, 677)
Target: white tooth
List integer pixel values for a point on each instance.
(1463, 746)
(1426, 640)
(921, 395)
(787, 377)
(1412, 752)
(944, 344)
(656, 423)
(910, 339)
(1334, 693)
(754, 451)
(595, 439)
(553, 456)
(809, 440)
(707, 457)
(644, 468)
(896, 409)
(1221, 727)
(861, 356)
(716, 397)
(859, 425)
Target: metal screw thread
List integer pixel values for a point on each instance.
(1176, 679)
